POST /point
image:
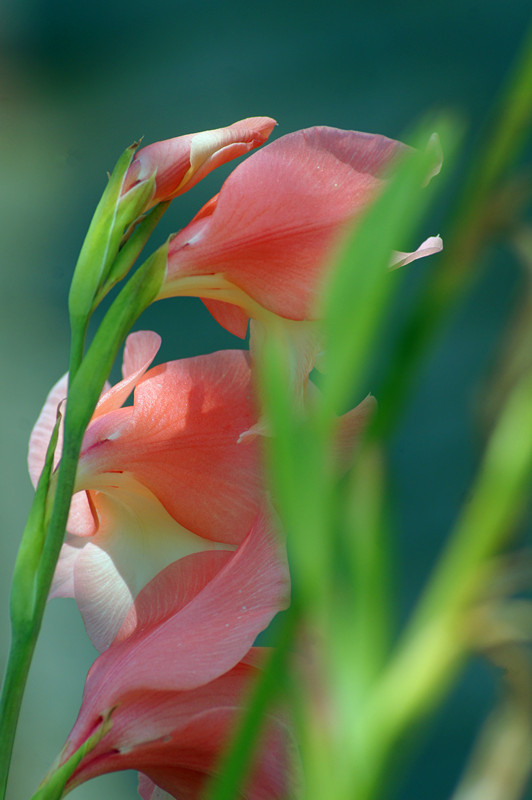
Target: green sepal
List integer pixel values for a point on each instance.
(102, 242)
(141, 289)
(22, 600)
(53, 786)
(130, 250)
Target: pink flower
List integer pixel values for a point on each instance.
(157, 480)
(262, 246)
(173, 682)
(177, 472)
(181, 162)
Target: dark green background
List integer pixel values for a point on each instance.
(79, 82)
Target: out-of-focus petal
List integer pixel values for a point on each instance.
(429, 247)
(350, 427)
(148, 790)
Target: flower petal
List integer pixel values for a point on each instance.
(229, 316)
(42, 430)
(136, 539)
(181, 162)
(180, 440)
(140, 350)
(102, 595)
(195, 620)
(148, 790)
(176, 739)
(80, 518)
(429, 247)
(63, 580)
(281, 211)
(350, 427)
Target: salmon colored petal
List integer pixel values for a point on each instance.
(281, 211)
(176, 739)
(229, 316)
(180, 440)
(181, 162)
(191, 757)
(81, 520)
(176, 675)
(429, 247)
(136, 539)
(178, 640)
(140, 350)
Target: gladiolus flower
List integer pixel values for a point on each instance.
(174, 681)
(181, 162)
(263, 244)
(157, 480)
(176, 473)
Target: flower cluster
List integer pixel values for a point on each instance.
(172, 552)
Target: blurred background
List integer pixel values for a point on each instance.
(81, 81)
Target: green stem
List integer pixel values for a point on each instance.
(130, 250)
(22, 611)
(78, 332)
(83, 394)
(26, 630)
(20, 657)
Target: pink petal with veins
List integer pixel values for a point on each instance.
(180, 440)
(176, 738)
(136, 538)
(177, 672)
(281, 211)
(195, 620)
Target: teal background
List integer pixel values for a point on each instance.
(79, 82)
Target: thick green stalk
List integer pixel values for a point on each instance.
(84, 391)
(20, 656)
(22, 611)
(26, 630)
